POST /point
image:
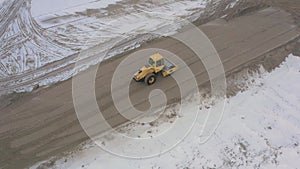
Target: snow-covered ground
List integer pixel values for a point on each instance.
(82, 24)
(260, 129)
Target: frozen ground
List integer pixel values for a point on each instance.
(260, 129)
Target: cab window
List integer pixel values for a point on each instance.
(151, 62)
(159, 63)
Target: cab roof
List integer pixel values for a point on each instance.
(156, 57)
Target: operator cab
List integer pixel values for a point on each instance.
(157, 62)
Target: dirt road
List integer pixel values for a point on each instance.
(44, 123)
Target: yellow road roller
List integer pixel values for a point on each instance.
(157, 64)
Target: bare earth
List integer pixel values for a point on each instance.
(44, 123)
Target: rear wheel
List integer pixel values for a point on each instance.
(150, 79)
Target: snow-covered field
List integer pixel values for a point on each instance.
(260, 129)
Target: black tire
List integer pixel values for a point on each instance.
(150, 79)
